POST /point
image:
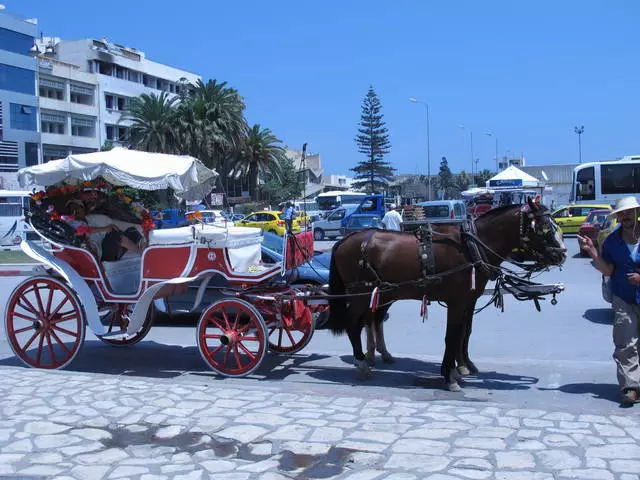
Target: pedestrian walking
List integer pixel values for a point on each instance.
(620, 260)
(392, 219)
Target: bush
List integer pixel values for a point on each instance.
(247, 208)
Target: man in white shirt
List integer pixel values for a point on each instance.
(392, 219)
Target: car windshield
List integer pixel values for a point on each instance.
(596, 218)
(273, 242)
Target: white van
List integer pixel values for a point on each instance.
(13, 228)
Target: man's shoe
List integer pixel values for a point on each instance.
(630, 396)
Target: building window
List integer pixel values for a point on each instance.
(123, 134)
(111, 133)
(81, 94)
(17, 79)
(31, 153)
(83, 127)
(109, 100)
(23, 117)
(53, 123)
(53, 152)
(9, 156)
(51, 89)
(15, 42)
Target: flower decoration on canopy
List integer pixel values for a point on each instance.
(114, 195)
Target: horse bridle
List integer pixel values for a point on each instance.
(530, 223)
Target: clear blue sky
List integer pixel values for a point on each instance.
(528, 70)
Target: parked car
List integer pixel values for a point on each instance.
(330, 226)
(570, 217)
(441, 211)
(606, 227)
(269, 221)
(356, 223)
(317, 273)
(592, 225)
(213, 217)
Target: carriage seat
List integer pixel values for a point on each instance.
(124, 274)
(171, 236)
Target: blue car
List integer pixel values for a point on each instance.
(316, 272)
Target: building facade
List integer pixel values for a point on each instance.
(104, 78)
(19, 137)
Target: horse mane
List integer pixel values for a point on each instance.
(494, 212)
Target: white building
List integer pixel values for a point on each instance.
(19, 137)
(337, 182)
(121, 73)
(69, 112)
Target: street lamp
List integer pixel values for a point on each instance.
(472, 155)
(426, 106)
(579, 131)
(492, 134)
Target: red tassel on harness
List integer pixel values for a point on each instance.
(473, 278)
(373, 303)
(424, 312)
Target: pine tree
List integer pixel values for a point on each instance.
(445, 179)
(372, 174)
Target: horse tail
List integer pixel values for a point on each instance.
(337, 306)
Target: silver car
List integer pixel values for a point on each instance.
(330, 227)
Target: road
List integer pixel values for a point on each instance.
(543, 407)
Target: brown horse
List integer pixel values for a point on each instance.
(391, 261)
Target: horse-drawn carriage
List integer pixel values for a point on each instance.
(257, 308)
(46, 315)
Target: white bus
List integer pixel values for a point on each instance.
(328, 201)
(605, 182)
(13, 228)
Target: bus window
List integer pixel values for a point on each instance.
(11, 210)
(619, 179)
(585, 184)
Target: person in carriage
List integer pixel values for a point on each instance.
(113, 242)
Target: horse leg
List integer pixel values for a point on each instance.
(371, 343)
(455, 330)
(356, 313)
(379, 319)
(465, 365)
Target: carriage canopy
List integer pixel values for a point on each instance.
(188, 176)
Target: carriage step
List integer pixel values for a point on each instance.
(119, 333)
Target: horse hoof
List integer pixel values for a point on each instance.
(363, 372)
(472, 368)
(388, 358)
(371, 360)
(454, 387)
(464, 371)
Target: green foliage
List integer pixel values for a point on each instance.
(247, 208)
(260, 154)
(463, 180)
(372, 174)
(446, 185)
(483, 176)
(285, 186)
(106, 146)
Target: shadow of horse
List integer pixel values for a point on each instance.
(602, 316)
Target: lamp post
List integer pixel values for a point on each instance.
(579, 131)
(426, 106)
(492, 134)
(34, 52)
(472, 154)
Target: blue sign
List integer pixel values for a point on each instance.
(514, 182)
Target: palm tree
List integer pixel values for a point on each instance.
(211, 123)
(154, 118)
(259, 154)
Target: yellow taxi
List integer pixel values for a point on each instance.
(571, 217)
(303, 219)
(606, 228)
(269, 221)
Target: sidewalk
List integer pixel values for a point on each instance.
(90, 426)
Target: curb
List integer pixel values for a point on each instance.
(18, 269)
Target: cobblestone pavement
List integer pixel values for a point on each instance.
(90, 426)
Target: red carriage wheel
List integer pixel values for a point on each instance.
(45, 323)
(294, 332)
(117, 318)
(232, 337)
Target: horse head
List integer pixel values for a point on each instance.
(540, 235)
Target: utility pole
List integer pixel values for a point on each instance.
(579, 131)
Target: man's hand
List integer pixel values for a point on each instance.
(634, 279)
(587, 244)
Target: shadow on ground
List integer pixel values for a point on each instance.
(155, 360)
(603, 391)
(599, 315)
